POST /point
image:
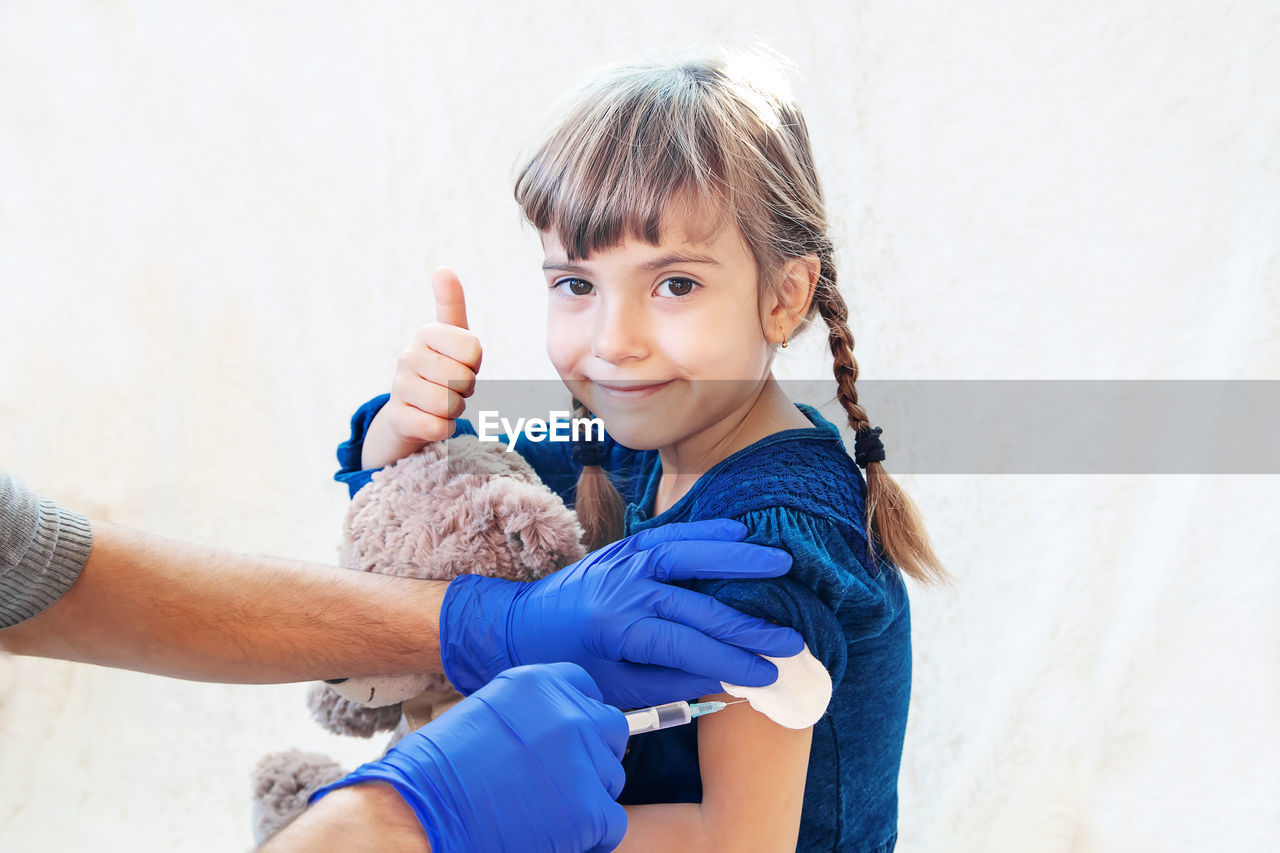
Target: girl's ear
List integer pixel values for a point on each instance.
(789, 302)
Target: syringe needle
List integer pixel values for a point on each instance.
(699, 709)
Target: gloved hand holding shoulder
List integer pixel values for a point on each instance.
(612, 611)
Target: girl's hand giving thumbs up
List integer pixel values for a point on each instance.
(435, 372)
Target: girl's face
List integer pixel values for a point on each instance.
(662, 341)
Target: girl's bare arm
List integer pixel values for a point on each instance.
(753, 774)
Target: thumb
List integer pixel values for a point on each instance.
(451, 305)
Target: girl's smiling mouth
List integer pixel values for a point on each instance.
(633, 391)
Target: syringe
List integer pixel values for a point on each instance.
(671, 714)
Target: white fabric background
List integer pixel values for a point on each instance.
(216, 226)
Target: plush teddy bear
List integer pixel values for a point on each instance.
(455, 507)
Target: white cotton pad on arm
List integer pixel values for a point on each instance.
(799, 697)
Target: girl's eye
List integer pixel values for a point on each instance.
(679, 286)
(577, 287)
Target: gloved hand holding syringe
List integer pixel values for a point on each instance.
(671, 714)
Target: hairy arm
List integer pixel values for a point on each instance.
(156, 605)
(753, 775)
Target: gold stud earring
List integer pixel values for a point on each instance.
(784, 340)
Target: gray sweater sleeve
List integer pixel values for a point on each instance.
(42, 550)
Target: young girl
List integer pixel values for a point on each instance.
(685, 238)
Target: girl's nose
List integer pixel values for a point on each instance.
(619, 333)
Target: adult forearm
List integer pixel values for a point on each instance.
(361, 817)
(152, 604)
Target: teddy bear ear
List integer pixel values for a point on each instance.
(539, 531)
(344, 717)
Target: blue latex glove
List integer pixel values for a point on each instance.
(529, 762)
(610, 612)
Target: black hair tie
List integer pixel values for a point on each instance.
(867, 447)
(587, 453)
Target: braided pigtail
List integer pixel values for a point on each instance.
(599, 505)
(894, 523)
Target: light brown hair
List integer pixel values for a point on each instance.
(643, 143)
